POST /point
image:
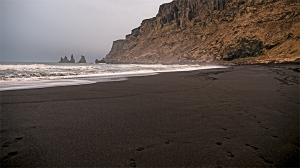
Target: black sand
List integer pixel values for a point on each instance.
(238, 117)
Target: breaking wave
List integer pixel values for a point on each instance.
(14, 76)
(57, 71)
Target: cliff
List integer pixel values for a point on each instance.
(224, 31)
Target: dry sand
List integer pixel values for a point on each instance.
(237, 117)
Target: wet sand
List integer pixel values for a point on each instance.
(243, 116)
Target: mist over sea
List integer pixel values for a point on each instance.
(20, 75)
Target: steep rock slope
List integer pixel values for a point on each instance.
(226, 31)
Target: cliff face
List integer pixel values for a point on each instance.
(227, 31)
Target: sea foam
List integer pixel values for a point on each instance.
(15, 76)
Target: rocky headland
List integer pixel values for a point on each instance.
(221, 31)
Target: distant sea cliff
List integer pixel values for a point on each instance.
(222, 31)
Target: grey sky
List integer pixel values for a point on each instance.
(45, 30)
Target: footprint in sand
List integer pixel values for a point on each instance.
(18, 139)
(230, 154)
(10, 154)
(140, 149)
(267, 161)
(253, 147)
(6, 144)
(132, 163)
(219, 143)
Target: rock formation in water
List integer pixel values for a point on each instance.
(97, 61)
(224, 31)
(82, 60)
(66, 60)
(72, 59)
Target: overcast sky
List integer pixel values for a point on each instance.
(45, 30)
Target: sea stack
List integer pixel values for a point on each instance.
(82, 60)
(64, 60)
(72, 59)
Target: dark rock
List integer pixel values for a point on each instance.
(82, 60)
(271, 62)
(102, 61)
(244, 48)
(220, 4)
(179, 11)
(72, 59)
(127, 36)
(64, 60)
(136, 31)
(297, 61)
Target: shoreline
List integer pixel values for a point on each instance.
(69, 80)
(242, 116)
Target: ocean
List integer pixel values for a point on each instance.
(29, 75)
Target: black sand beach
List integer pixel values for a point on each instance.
(243, 116)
